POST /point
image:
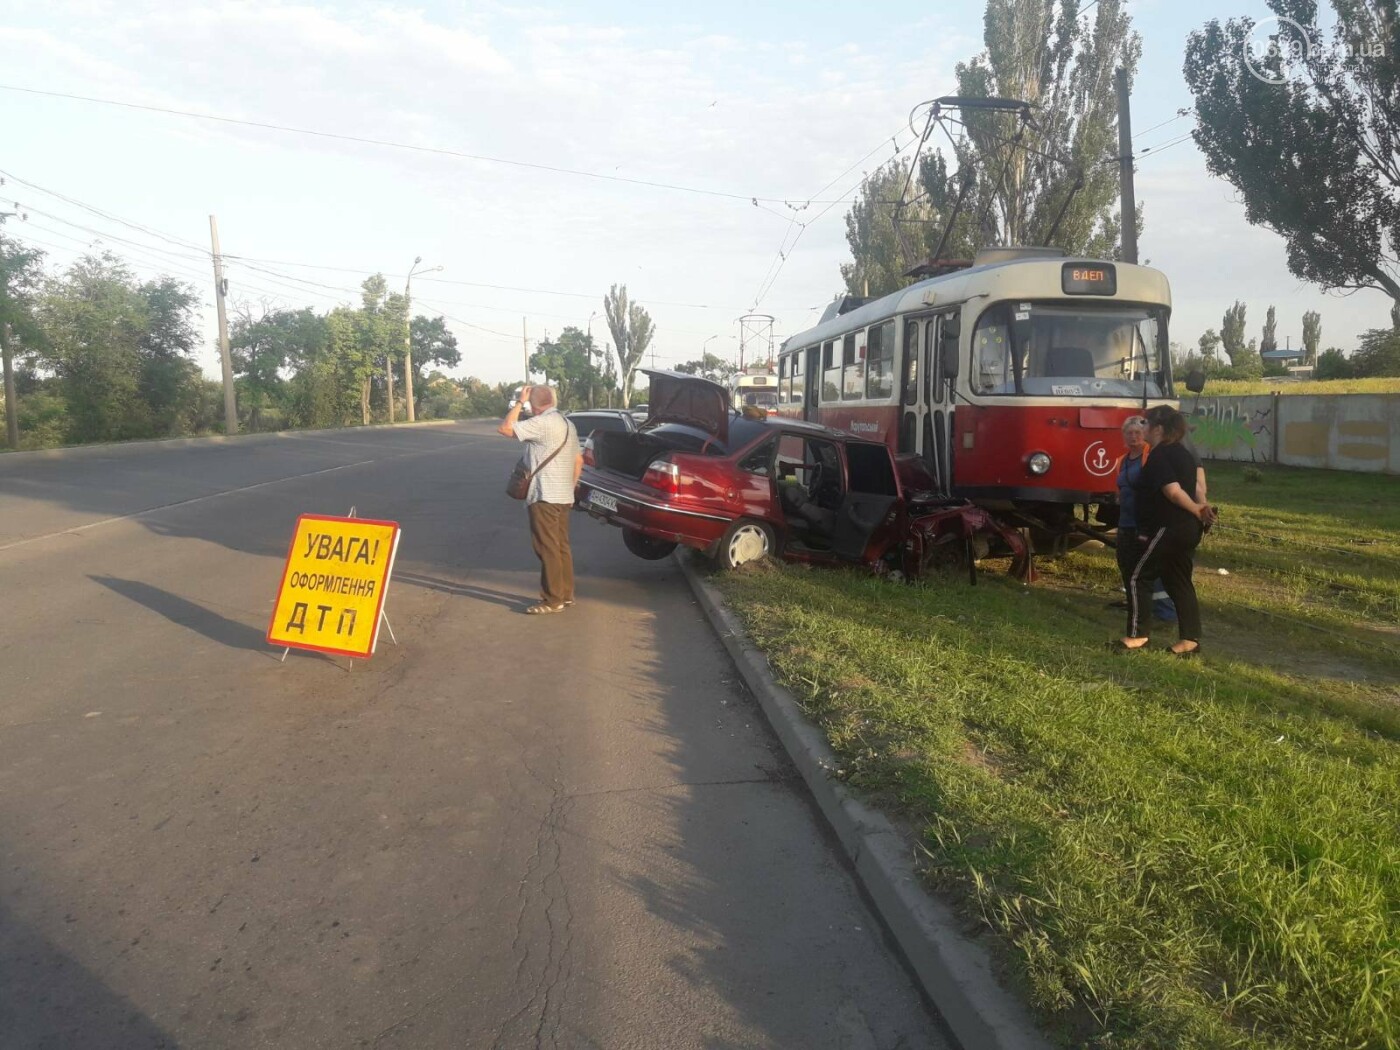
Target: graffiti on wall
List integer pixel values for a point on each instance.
(1337, 431)
(1219, 426)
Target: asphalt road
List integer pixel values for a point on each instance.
(505, 831)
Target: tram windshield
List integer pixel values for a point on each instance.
(1083, 350)
(760, 398)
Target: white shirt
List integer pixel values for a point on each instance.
(541, 435)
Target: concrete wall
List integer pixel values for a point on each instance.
(1337, 431)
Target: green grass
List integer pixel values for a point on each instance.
(1231, 387)
(1171, 853)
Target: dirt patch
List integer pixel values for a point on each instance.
(974, 756)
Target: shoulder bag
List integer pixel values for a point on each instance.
(518, 484)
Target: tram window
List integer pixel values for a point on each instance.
(1079, 351)
(933, 365)
(879, 363)
(991, 354)
(784, 380)
(796, 380)
(831, 373)
(911, 362)
(853, 373)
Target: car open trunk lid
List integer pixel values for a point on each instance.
(689, 400)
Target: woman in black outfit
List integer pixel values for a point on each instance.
(1170, 523)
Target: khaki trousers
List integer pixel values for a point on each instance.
(549, 534)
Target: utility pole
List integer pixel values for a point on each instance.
(11, 397)
(389, 377)
(525, 346)
(408, 341)
(220, 290)
(1125, 169)
(7, 356)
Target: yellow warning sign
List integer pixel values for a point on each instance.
(333, 586)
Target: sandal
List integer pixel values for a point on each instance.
(536, 610)
(1117, 646)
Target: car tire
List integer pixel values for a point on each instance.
(745, 541)
(646, 547)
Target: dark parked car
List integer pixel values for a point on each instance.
(608, 419)
(738, 488)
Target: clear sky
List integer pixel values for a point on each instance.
(744, 100)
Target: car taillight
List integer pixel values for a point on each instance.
(588, 459)
(664, 475)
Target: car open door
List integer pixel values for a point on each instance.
(871, 512)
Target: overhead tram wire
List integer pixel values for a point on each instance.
(785, 250)
(389, 144)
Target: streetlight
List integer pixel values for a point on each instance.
(408, 341)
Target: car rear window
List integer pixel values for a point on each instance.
(588, 424)
(742, 431)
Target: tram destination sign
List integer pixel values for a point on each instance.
(333, 585)
(1089, 279)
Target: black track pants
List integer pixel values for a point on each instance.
(1166, 555)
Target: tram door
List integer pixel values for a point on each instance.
(937, 445)
(913, 407)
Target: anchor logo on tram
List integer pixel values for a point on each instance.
(1097, 461)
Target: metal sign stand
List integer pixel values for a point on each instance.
(382, 616)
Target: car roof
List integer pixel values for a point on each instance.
(600, 412)
(805, 427)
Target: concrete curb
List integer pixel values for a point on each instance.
(955, 972)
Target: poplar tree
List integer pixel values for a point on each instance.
(632, 331)
(1019, 170)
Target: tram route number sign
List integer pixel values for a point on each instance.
(1084, 279)
(333, 585)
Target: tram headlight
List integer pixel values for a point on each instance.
(1038, 463)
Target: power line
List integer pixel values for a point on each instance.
(107, 215)
(104, 235)
(1163, 147)
(291, 288)
(388, 144)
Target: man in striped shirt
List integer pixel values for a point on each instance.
(553, 456)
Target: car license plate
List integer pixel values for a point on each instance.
(602, 501)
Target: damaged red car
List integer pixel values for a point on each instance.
(739, 487)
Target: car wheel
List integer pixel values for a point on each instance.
(745, 541)
(644, 546)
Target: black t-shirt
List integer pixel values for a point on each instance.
(1165, 464)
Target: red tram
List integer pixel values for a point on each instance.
(1003, 385)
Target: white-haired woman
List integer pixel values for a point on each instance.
(1130, 465)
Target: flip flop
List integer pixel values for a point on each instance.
(540, 609)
